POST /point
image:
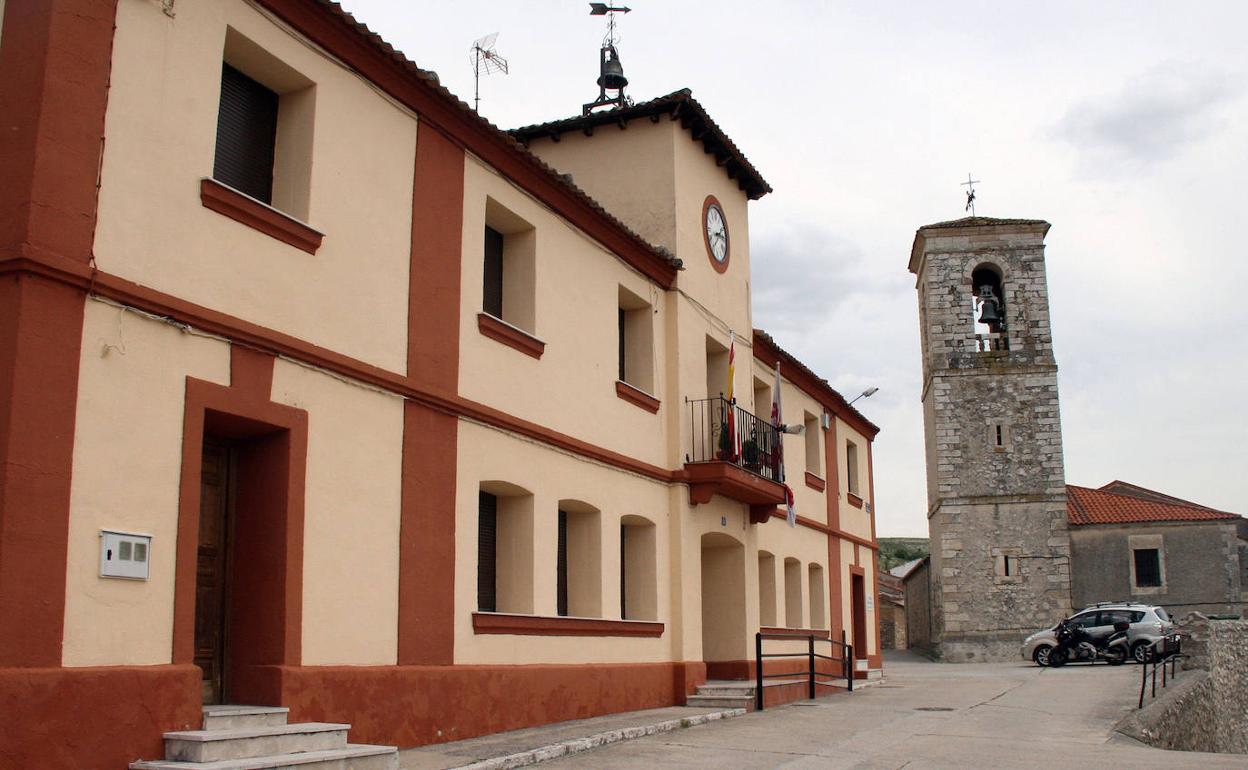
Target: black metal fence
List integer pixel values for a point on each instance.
(846, 659)
(721, 430)
(1164, 654)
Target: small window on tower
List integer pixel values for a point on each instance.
(1007, 565)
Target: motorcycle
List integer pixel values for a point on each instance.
(1075, 644)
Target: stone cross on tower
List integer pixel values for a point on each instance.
(996, 490)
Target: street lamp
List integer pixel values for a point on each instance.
(868, 393)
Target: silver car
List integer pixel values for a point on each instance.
(1148, 623)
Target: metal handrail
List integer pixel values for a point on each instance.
(846, 658)
(721, 431)
(1166, 656)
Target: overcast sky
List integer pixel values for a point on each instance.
(1121, 123)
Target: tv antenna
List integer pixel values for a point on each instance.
(485, 60)
(610, 71)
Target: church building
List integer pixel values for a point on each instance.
(324, 398)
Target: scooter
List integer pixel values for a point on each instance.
(1075, 644)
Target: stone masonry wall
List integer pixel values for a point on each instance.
(1204, 710)
(987, 502)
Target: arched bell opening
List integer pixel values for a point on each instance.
(988, 304)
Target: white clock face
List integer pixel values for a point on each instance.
(716, 233)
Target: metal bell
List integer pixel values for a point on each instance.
(612, 71)
(989, 309)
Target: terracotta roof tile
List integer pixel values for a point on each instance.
(1096, 506)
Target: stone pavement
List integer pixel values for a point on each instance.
(927, 716)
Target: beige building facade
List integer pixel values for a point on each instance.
(408, 414)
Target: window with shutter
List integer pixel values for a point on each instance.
(487, 527)
(492, 289)
(246, 135)
(561, 566)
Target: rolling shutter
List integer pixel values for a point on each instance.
(492, 302)
(487, 525)
(246, 135)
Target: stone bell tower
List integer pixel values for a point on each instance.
(996, 495)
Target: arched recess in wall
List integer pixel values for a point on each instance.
(504, 548)
(818, 616)
(639, 580)
(578, 560)
(793, 579)
(723, 598)
(766, 589)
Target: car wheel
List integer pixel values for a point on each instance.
(1139, 651)
(1041, 655)
(1057, 658)
(1115, 656)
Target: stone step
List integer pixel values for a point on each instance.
(720, 701)
(244, 742)
(741, 688)
(350, 757)
(230, 716)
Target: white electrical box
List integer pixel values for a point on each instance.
(826, 421)
(125, 554)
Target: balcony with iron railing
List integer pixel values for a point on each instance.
(735, 454)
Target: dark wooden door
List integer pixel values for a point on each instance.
(859, 596)
(212, 569)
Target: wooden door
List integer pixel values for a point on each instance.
(212, 569)
(860, 616)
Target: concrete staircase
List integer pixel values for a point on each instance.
(258, 738)
(728, 694)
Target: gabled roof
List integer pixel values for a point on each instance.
(767, 351)
(902, 570)
(329, 26)
(1086, 506)
(678, 104)
(980, 222)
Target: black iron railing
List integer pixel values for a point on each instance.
(721, 430)
(1164, 654)
(812, 674)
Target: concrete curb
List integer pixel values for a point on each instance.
(577, 745)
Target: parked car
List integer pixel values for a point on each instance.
(1148, 623)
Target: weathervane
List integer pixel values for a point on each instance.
(610, 71)
(484, 59)
(969, 184)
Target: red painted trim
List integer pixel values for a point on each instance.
(97, 717)
(510, 336)
(637, 397)
(265, 615)
(819, 526)
(875, 555)
(56, 58)
(766, 351)
(251, 335)
(533, 625)
(409, 706)
(815, 483)
(855, 569)
(720, 267)
(821, 633)
(833, 501)
(244, 209)
(426, 623)
(854, 500)
(722, 478)
(440, 111)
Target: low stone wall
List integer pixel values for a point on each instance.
(1206, 709)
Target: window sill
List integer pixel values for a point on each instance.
(854, 500)
(636, 396)
(511, 336)
(259, 216)
(819, 633)
(815, 483)
(540, 625)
